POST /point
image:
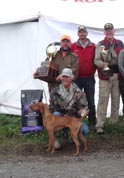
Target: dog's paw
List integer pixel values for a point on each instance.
(52, 151)
(85, 149)
(48, 149)
(76, 154)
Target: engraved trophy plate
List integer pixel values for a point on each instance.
(48, 71)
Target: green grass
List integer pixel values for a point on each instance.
(13, 141)
(11, 132)
(11, 127)
(114, 128)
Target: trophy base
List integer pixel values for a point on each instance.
(106, 73)
(48, 71)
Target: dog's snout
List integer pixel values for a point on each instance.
(30, 106)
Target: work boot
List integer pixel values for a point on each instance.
(57, 144)
(99, 130)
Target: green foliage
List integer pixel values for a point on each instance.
(110, 129)
(10, 128)
(114, 128)
(85, 120)
(35, 136)
(13, 141)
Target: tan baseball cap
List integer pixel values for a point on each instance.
(67, 72)
(65, 37)
(108, 26)
(82, 27)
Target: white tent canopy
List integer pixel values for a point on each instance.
(23, 41)
(92, 13)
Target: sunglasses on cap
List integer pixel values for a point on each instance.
(65, 76)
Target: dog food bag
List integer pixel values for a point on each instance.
(31, 120)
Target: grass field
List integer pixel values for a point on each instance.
(12, 141)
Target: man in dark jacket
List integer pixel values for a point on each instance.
(65, 58)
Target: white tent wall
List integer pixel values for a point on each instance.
(23, 45)
(19, 59)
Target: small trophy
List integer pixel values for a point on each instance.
(104, 54)
(106, 71)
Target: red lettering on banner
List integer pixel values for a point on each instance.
(78, 1)
(89, 1)
(94, 1)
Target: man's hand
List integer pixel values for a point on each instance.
(84, 112)
(105, 64)
(59, 78)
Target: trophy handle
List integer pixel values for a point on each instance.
(51, 50)
(53, 44)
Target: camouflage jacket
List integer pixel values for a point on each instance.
(67, 105)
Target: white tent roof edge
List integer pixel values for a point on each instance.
(21, 19)
(27, 42)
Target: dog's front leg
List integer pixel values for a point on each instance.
(75, 139)
(51, 146)
(84, 140)
(52, 143)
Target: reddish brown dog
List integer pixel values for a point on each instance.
(54, 123)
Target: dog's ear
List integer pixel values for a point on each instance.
(46, 106)
(38, 104)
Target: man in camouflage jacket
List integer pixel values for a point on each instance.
(68, 102)
(67, 98)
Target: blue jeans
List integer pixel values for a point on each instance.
(85, 129)
(88, 84)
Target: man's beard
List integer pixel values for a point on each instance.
(65, 49)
